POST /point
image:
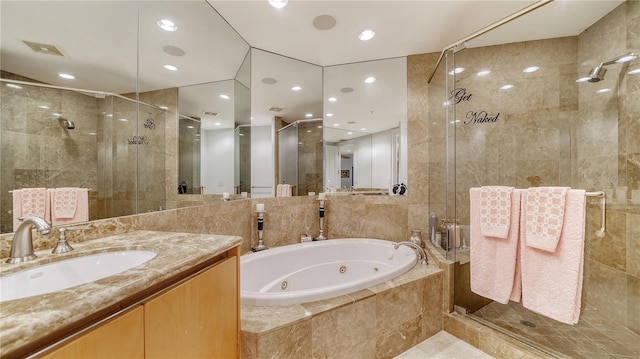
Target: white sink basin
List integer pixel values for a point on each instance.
(69, 273)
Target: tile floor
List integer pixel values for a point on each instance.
(446, 346)
(595, 336)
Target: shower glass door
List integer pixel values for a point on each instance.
(523, 118)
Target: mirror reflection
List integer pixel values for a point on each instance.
(285, 94)
(365, 109)
(101, 138)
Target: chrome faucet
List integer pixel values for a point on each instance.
(422, 255)
(22, 244)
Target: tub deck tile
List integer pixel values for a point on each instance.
(265, 319)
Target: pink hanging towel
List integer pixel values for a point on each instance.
(493, 261)
(30, 202)
(545, 214)
(495, 204)
(69, 205)
(552, 281)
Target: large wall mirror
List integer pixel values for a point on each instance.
(286, 98)
(365, 138)
(115, 136)
(149, 101)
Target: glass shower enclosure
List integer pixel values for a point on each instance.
(523, 114)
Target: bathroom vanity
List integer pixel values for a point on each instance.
(182, 303)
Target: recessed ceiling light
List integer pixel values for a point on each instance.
(484, 72)
(583, 79)
(603, 90)
(279, 4)
(319, 126)
(269, 81)
(332, 99)
(57, 114)
(366, 34)
(14, 86)
(634, 71)
(170, 67)
(627, 58)
(93, 134)
(457, 70)
(363, 129)
(167, 25)
(218, 124)
(346, 89)
(122, 119)
(164, 107)
(308, 131)
(224, 97)
(506, 87)
(66, 76)
(329, 115)
(308, 115)
(296, 88)
(370, 80)
(531, 69)
(189, 126)
(43, 107)
(336, 125)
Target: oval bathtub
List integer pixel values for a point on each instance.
(307, 272)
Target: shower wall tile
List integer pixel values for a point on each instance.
(633, 303)
(611, 250)
(633, 245)
(605, 288)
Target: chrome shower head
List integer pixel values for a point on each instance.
(597, 73)
(68, 124)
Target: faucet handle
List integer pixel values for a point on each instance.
(62, 246)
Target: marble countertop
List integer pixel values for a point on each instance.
(25, 322)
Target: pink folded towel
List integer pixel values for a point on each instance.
(545, 215)
(81, 213)
(30, 202)
(552, 281)
(495, 204)
(493, 262)
(64, 202)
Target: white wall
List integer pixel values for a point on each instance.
(381, 159)
(362, 162)
(262, 175)
(217, 155)
(331, 167)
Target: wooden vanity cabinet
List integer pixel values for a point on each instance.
(197, 318)
(120, 337)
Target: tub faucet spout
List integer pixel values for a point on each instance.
(22, 244)
(422, 255)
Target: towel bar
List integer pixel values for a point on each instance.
(88, 189)
(599, 233)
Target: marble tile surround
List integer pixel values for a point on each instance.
(379, 322)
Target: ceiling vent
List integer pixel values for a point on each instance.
(209, 113)
(275, 109)
(43, 48)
